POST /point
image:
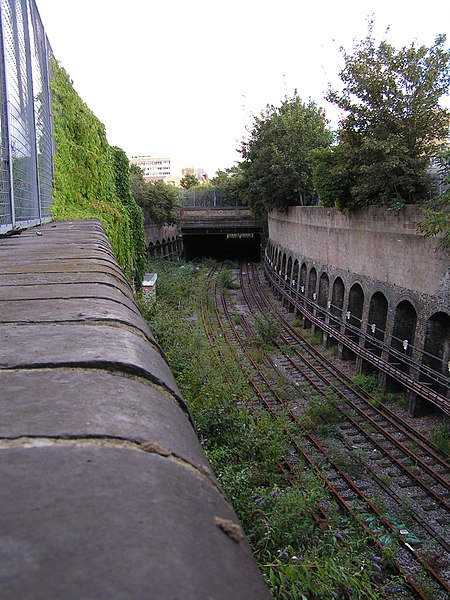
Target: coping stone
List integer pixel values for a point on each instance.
(68, 403)
(32, 346)
(63, 310)
(124, 524)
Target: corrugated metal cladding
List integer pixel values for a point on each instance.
(26, 160)
(105, 491)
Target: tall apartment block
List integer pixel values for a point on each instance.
(154, 169)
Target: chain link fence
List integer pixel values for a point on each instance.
(208, 198)
(26, 153)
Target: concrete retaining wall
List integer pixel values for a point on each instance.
(381, 254)
(106, 492)
(374, 243)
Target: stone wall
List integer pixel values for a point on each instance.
(381, 254)
(156, 233)
(374, 243)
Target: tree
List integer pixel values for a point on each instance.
(330, 177)
(393, 124)
(189, 181)
(228, 184)
(437, 212)
(276, 170)
(227, 179)
(158, 199)
(138, 185)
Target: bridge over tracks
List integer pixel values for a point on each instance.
(215, 223)
(219, 220)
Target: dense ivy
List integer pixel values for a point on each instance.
(135, 214)
(85, 176)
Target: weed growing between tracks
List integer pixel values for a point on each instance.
(440, 437)
(305, 547)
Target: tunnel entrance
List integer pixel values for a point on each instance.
(223, 246)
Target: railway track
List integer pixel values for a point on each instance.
(372, 464)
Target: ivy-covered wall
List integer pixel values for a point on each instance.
(91, 178)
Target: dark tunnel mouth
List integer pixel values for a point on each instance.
(222, 246)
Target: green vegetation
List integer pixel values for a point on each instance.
(276, 166)
(437, 211)
(369, 383)
(227, 180)
(267, 331)
(157, 199)
(305, 547)
(320, 410)
(189, 181)
(225, 279)
(392, 127)
(136, 217)
(312, 338)
(389, 146)
(90, 179)
(440, 437)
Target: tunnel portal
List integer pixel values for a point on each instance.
(222, 246)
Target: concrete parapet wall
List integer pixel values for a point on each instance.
(374, 243)
(106, 492)
(216, 213)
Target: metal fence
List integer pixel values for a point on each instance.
(208, 198)
(26, 153)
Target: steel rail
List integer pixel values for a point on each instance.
(359, 492)
(392, 458)
(349, 387)
(414, 477)
(382, 412)
(403, 378)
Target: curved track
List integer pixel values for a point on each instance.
(373, 464)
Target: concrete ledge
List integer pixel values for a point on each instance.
(79, 403)
(106, 490)
(116, 523)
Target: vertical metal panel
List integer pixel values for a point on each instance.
(21, 115)
(6, 191)
(26, 124)
(42, 109)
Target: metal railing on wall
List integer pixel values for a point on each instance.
(334, 325)
(26, 132)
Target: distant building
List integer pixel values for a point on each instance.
(201, 174)
(154, 169)
(172, 180)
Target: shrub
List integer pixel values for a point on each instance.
(440, 437)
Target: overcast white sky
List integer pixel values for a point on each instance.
(181, 78)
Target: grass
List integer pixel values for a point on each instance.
(226, 281)
(298, 557)
(440, 437)
(267, 332)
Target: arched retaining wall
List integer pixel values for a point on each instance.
(379, 251)
(163, 241)
(376, 244)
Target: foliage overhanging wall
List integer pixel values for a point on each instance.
(92, 179)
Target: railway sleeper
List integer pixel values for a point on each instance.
(407, 483)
